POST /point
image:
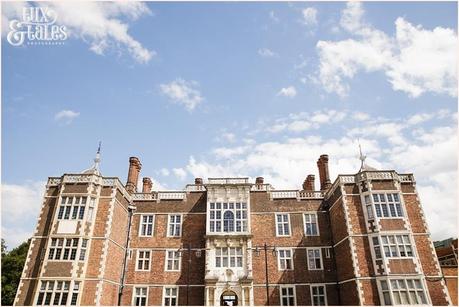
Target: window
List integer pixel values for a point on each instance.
(72, 208)
(314, 259)
(76, 289)
(285, 259)
(175, 225)
(172, 260)
(282, 225)
(376, 248)
(146, 225)
(143, 260)
(228, 257)
(170, 296)
(91, 209)
(327, 252)
(387, 205)
(56, 293)
(404, 292)
(228, 221)
(395, 246)
(228, 217)
(84, 246)
(63, 249)
(318, 295)
(287, 296)
(140, 296)
(310, 224)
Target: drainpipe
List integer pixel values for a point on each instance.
(131, 209)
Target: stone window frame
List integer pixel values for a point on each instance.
(229, 256)
(175, 225)
(283, 223)
(284, 259)
(142, 223)
(83, 249)
(324, 286)
(170, 296)
(320, 257)
(396, 211)
(63, 213)
(137, 259)
(281, 296)
(41, 293)
(54, 248)
(135, 296)
(216, 211)
(176, 258)
(312, 213)
(386, 291)
(378, 246)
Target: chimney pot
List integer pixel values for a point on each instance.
(198, 181)
(133, 174)
(259, 180)
(147, 185)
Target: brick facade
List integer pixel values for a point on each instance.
(331, 236)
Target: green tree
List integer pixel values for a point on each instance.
(12, 265)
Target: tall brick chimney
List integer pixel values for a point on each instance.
(133, 174)
(308, 184)
(324, 175)
(147, 185)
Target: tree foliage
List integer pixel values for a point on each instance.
(12, 265)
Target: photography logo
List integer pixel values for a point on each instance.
(37, 27)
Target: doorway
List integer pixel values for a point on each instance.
(228, 298)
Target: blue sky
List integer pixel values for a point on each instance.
(227, 89)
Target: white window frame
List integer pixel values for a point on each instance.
(72, 249)
(397, 245)
(312, 293)
(137, 260)
(280, 259)
(70, 291)
(175, 225)
(391, 291)
(317, 224)
(134, 295)
(281, 296)
(387, 204)
(176, 296)
(178, 258)
(216, 211)
(231, 254)
(141, 223)
(283, 223)
(69, 201)
(320, 255)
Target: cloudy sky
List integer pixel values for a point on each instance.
(233, 89)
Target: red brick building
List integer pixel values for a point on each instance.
(447, 256)
(361, 240)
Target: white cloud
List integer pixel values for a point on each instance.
(273, 16)
(164, 172)
(229, 137)
(183, 92)
(266, 53)
(180, 173)
(309, 16)
(415, 61)
(361, 116)
(20, 208)
(289, 92)
(103, 25)
(431, 154)
(66, 116)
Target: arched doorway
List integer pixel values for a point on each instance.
(228, 298)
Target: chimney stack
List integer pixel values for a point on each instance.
(133, 174)
(259, 180)
(308, 184)
(198, 181)
(324, 175)
(147, 185)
